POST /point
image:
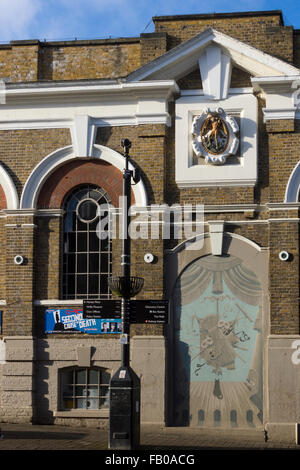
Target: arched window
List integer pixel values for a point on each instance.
(86, 251)
(84, 388)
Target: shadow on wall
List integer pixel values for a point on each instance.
(41, 413)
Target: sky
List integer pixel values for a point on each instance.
(96, 19)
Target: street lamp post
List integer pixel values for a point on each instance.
(124, 418)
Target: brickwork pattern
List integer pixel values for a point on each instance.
(18, 312)
(22, 150)
(264, 32)
(283, 157)
(89, 61)
(19, 63)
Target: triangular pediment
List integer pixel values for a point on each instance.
(184, 58)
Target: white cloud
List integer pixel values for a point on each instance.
(16, 17)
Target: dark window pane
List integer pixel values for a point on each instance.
(71, 284)
(104, 244)
(103, 201)
(94, 242)
(83, 194)
(81, 284)
(88, 210)
(68, 222)
(80, 391)
(71, 246)
(94, 263)
(93, 283)
(94, 225)
(71, 264)
(94, 194)
(82, 263)
(72, 204)
(93, 376)
(81, 226)
(80, 376)
(103, 284)
(104, 263)
(81, 242)
(105, 377)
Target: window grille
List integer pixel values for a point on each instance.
(86, 250)
(84, 388)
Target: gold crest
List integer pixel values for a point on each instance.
(214, 134)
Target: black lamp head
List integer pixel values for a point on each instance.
(126, 144)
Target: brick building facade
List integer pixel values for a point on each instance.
(229, 355)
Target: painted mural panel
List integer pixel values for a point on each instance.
(218, 345)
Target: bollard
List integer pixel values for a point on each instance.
(124, 418)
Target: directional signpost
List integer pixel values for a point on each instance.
(141, 311)
(102, 309)
(149, 311)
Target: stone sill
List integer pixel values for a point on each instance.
(82, 414)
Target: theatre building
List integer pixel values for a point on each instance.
(210, 106)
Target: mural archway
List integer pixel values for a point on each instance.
(217, 344)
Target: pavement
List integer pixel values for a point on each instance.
(154, 440)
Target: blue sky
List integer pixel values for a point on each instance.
(86, 19)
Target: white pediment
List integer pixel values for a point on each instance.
(184, 58)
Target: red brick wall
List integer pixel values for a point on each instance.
(3, 202)
(80, 172)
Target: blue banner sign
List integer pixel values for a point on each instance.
(71, 320)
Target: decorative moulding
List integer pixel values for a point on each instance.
(282, 96)
(240, 170)
(216, 230)
(83, 136)
(215, 70)
(184, 58)
(215, 136)
(61, 156)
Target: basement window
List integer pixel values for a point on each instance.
(84, 388)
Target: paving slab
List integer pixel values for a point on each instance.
(153, 437)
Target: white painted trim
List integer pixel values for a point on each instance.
(284, 219)
(32, 212)
(271, 114)
(203, 235)
(276, 206)
(244, 240)
(8, 186)
(293, 185)
(57, 158)
(39, 90)
(83, 133)
(231, 91)
(273, 83)
(180, 59)
(57, 302)
(215, 70)
(216, 230)
(117, 160)
(135, 119)
(204, 183)
(244, 173)
(208, 208)
(40, 173)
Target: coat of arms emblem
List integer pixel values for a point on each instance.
(214, 136)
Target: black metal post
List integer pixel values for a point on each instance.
(125, 262)
(124, 418)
